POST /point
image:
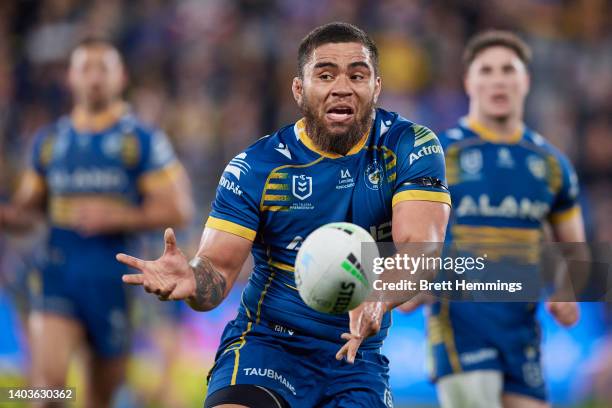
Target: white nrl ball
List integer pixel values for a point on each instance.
(328, 268)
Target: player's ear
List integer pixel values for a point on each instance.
(297, 89)
(377, 88)
(466, 84)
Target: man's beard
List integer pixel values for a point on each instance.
(339, 143)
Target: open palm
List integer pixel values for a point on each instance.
(170, 276)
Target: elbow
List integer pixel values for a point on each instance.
(185, 215)
(202, 307)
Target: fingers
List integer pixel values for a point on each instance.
(565, 313)
(134, 279)
(169, 240)
(131, 261)
(349, 350)
(343, 350)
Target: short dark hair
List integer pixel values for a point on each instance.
(336, 32)
(495, 38)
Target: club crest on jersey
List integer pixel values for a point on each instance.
(471, 161)
(536, 166)
(373, 176)
(301, 186)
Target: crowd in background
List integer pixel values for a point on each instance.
(216, 74)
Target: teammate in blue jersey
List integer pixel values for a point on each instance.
(506, 183)
(98, 175)
(344, 161)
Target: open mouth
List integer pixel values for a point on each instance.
(339, 113)
(500, 98)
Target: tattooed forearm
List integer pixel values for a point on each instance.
(210, 285)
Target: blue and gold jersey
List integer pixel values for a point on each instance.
(505, 192)
(282, 188)
(117, 165)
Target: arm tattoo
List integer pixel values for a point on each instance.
(210, 285)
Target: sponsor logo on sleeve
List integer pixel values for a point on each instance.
(426, 151)
(230, 185)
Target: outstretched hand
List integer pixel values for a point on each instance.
(565, 313)
(365, 321)
(169, 277)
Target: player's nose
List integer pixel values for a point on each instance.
(342, 87)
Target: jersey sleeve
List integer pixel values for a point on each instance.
(236, 206)
(41, 151)
(420, 168)
(563, 178)
(159, 164)
(41, 154)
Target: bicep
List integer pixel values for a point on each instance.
(570, 229)
(419, 221)
(226, 251)
(31, 191)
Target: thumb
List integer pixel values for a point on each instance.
(169, 240)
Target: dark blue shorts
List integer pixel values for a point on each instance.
(302, 369)
(96, 299)
(473, 337)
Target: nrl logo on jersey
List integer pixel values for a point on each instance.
(509, 207)
(302, 186)
(471, 161)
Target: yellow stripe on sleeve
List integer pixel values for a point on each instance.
(421, 195)
(231, 227)
(160, 177)
(565, 215)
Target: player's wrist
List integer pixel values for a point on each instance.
(193, 266)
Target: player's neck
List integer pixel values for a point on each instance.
(504, 131)
(85, 119)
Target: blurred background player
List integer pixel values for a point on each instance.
(506, 183)
(97, 175)
(344, 161)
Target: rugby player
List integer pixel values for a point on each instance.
(507, 182)
(97, 175)
(344, 161)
